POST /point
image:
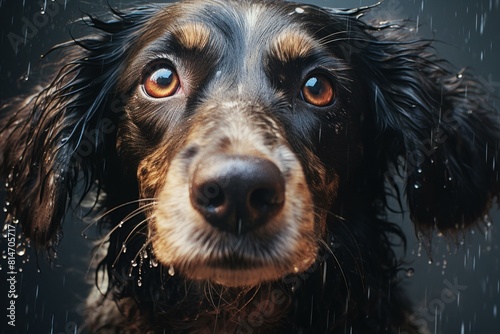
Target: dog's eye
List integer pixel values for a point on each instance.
(161, 82)
(318, 90)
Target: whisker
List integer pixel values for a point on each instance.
(330, 251)
(131, 233)
(99, 218)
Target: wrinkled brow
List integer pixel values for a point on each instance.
(193, 36)
(291, 45)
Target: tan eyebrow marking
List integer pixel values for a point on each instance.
(290, 45)
(193, 35)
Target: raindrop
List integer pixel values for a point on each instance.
(324, 272)
(417, 185)
(139, 282)
(171, 271)
(338, 128)
(21, 251)
(410, 272)
(133, 263)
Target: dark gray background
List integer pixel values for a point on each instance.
(469, 35)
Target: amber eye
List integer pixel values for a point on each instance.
(161, 81)
(318, 90)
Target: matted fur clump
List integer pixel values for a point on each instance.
(241, 151)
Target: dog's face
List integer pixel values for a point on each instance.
(239, 114)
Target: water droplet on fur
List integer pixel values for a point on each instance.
(124, 248)
(299, 10)
(296, 269)
(5, 209)
(410, 272)
(417, 185)
(139, 282)
(133, 263)
(171, 271)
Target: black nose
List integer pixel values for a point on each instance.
(237, 193)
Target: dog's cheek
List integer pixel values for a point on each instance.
(151, 174)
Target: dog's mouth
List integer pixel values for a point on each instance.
(244, 265)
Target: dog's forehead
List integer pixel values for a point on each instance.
(279, 25)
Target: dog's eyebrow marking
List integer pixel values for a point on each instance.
(290, 45)
(194, 36)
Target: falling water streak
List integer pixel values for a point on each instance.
(435, 319)
(52, 324)
(312, 311)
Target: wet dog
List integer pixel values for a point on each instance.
(243, 151)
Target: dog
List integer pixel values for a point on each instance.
(242, 154)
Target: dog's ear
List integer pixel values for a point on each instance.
(442, 122)
(58, 135)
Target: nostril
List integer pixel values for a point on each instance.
(266, 200)
(209, 196)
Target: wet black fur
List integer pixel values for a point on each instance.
(413, 115)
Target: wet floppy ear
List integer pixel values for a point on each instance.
(62, 133)
(445, 126)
